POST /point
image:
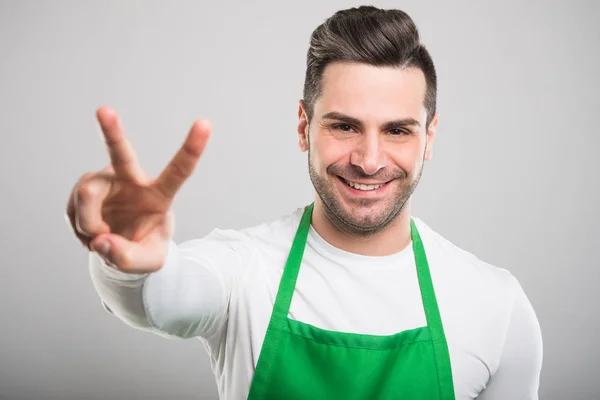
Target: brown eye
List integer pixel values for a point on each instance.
(397, 132)
(343, 127)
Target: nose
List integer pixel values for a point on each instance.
(369, 155)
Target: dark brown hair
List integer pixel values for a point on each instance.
(383, 38)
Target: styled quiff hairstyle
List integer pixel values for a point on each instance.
(382, 38)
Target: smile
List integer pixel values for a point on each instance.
(362, 186)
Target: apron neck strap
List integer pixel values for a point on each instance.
(292, 268)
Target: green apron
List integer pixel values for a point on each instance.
(301, 361)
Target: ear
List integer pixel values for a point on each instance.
(302, 127)
(431, 129)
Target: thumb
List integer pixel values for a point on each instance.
(129, 256)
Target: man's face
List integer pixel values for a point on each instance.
(367, 141)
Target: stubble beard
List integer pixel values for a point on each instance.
(344, 221)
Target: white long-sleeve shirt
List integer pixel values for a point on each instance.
(221, 290)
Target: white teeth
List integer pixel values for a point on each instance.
(360, 186)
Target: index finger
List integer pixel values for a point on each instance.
(122, 155)
(183, 163)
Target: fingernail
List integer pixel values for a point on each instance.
(103, 247)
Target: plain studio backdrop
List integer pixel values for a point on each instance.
(513, 179)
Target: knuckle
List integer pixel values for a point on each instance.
(178, 170)
(191, 152)
(85, 176)
(88, 191)
(83, 227)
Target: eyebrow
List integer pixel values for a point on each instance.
(399, 123)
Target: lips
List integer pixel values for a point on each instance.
(358, 188)
(363, 186)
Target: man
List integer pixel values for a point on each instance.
(347, 298)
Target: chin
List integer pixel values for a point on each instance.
(367, 216)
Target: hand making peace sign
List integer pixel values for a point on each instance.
(123, 208)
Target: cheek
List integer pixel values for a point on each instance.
(326, 151)
(407, 156)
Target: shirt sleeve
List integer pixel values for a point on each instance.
(187, 297)
(518, 374)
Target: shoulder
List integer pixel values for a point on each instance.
(278, 232)
(284, 225)
(487, 318)
(465, 271)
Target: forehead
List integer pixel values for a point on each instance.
(366, 91)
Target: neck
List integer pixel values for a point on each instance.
(392, 239)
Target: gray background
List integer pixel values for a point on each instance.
(513, 178)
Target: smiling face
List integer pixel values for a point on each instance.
(367, 141)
